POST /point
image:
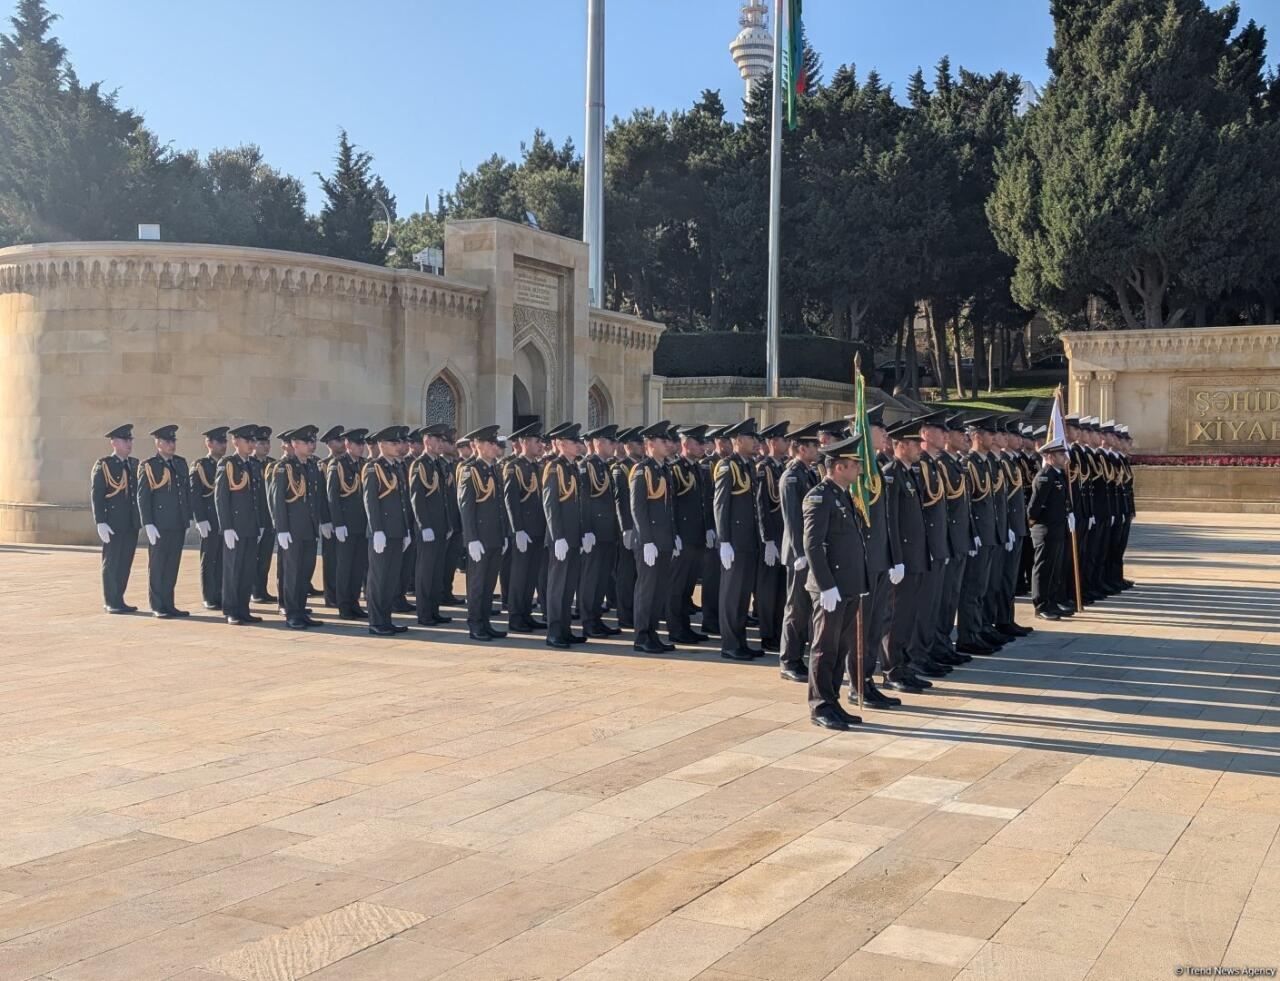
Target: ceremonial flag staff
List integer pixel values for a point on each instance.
(792, 68)
(862, 489)
(1058, 428)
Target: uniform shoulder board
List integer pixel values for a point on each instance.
(815, 495)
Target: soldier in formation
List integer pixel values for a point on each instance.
(921, 529)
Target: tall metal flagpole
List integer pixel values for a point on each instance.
(775, 205)
(593, 160)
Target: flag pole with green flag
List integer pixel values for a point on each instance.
(795, 77)
(870, 469)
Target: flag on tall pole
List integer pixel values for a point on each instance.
(794, 68)
(866, 452)
(1058, 430)
(773, 329)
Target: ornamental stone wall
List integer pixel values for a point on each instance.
(1211, 392)
(94, 334)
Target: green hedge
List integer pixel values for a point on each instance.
(743, 355)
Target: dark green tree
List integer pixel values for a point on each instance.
(351, 207)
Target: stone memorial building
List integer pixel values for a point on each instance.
(93, 334)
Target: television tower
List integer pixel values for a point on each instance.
(752, 49)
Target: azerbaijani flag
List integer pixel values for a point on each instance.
(1057, 428)
(866, 452)
(793, 69)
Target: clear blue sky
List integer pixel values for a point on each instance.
(430, 86)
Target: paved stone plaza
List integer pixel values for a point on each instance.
(183, 799)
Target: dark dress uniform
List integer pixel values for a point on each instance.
(266, 543)
(600, 518)
(408, 559)
(711, 567)
(692, 519)
(971, 622)
(654, 519)
(454, 558)
(562, 506)
(909, 599)
(960, 535)
(995, 568)
(625, 571)
(738, 525)
(771, 580)
(328, 545)
(1047, 515)
(484, 520)
(388, 524)
(294, 500)
(350, 557)
(163, 501)
(797, 620)
(1016, 522)
(204, 475)
(835, 546)
(884, 551)
(427, 498)
(1081, 506)
(113, 497)
(236, 496)
(522, 496)
(933, 502)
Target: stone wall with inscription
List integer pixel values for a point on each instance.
(1212, 391)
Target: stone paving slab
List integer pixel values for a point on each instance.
(185, 800)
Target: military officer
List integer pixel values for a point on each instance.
(484, 529)
(337, 447)
(427, 500)
(960, 539)
(835, 547)
(933, 503)
(1051, 520)
(1074, 556)
(263, 463)
(991, 612)
(633, 452)
(656, 538)
(236, 496)
(522, 497)
(203, 474)
(710, 598)
(350, 546)
(294, 497)
(285, 438)
(562, 506)
(454, 555)
(1016, 530)
(738, 532)
(971, 627)
(799, 477)
(600, 521)
(771, 579)
(388, 527)
(692, 524)
(902, 488)
(164, 508)
(113, 498)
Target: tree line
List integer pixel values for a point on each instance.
(1132, 193)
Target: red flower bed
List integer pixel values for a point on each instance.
(1216, 460)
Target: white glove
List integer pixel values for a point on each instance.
(947, 560)
(726, 555)
(379, 541)
(505, 545)
(153, 534)
(1113, 519)
(977, 543)
(650, 554)
(104, 532)
(340, 532)
(475, 550)
(800, 564)
(1008, 546)
(404, 543)
(1071, 523)
(428, 534)
(284, 540)
(711, 538)
(326, 529)
(230, 537)
(829, 598)
(628, 540)
(770, 554)
(522, 541)
(679, 545)
(203, 528)
(261, 532)
(973, 554)
(897, 573)
(588, 541)
(561, 549)
(1092, 521)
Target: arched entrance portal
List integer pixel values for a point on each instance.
(529, 387)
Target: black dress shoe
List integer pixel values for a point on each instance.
(403, 606)
(115, 609)
(577, 639)
(235, 621)
(438, 620)
(993, 640)
(563, 645)
(313, 622)
(179, 613)
(849, 718)
(871, 695)
(770, 646)
(538, 624)
(741, 654)
(649, 647)
(129, 609)
(919, 682)
(383, 631)
(929, 669)
(799, 673)
(213, 606)
(710, 629)
(982, 650)
(906, 686)
(264, 598)
(949, 660)
(517, 627)
(312, 591)
(495, 633)
(753, 651)
(601, 630)
(400, 628)
(250, 618)
(351, 616)
(480, 635)
(162, 614)
(297, 623)
(1047, 614)
(830, 720)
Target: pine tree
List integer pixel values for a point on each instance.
(351, 207)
